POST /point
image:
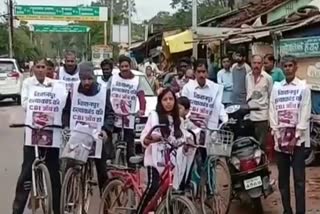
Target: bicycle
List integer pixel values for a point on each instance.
(205, 182)
(78, 184)
(120, 143)
(41, 189)
(128, 184)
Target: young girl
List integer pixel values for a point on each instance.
(167, 112)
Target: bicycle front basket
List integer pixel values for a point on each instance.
(78, 147)
(219, 143)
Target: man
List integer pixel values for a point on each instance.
(290, 111)
(174, 80)
(126, 90)
(86, 92)
(205, 98)
(69, 72)
(106, 67)
(269, 67)
(239, 72)
(50, 69)
(259, 86)
(225, 79)
(30, 85)
(152, 64)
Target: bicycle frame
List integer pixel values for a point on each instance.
(36, 161)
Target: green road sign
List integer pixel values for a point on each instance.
(60, 13)
(301, 47)
(59, 29)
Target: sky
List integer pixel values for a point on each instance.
(146, 9)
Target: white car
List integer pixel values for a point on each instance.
(11, 79)
(151, 99)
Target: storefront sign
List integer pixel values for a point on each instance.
(301, 47)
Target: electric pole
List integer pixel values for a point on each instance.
(10, 27)
(194, 27)
(111, 21)
(129, 22)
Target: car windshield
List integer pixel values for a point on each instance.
(6, 66)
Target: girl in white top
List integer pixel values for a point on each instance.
(167, 112)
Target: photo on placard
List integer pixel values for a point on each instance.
(93, 149)
(42, 138)
(40, 119)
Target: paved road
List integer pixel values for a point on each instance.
(11, 157)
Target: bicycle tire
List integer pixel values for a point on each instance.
(163, 209)
(68, 182)
(46, 185)
(114, 182)
(213, 207)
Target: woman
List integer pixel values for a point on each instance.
(167, 112)
(152, 79)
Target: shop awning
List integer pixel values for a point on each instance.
(176, 43)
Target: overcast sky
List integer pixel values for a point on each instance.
(146, 9)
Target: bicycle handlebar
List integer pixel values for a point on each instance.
(126, 115)
(35, 128)
(154, 128)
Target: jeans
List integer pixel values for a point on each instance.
(24, 181)
(129, 139)
(261, 129)
(284, 161)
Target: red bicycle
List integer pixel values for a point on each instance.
(124, 191)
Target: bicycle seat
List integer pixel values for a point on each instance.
(138, 159)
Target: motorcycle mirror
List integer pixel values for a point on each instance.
(232, 109)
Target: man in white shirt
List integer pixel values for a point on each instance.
(224, 78)
(23, 187)
(290, 111)
(259, 86)
(69, 72)
(205, 98)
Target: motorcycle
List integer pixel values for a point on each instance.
(310, 153)
(248, 163)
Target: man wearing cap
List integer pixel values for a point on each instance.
(89, 104)
(125, 91)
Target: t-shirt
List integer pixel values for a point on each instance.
(239, 92)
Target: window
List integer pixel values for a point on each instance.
(144, 84)
(6, 66)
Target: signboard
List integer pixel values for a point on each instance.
(301, 47)
(61, 13)
(99, 53)
(59, 29)
(120, 33)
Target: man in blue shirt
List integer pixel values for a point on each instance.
(224, 78)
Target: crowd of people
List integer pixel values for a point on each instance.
(187, 99)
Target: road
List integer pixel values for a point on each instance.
(11, 159)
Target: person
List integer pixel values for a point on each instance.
(107, 68)
(184, 112)
(205, 98)
(174, 80)
(259, 86)
(289, 114)
(152, 79)
(153, 65)
(224, 78)
(126, 90)
(239, 71)
(167, 112)
(50, 70)
(69, 72)
(89, 91)
(269, 66)
(213, 69)
(23, 187)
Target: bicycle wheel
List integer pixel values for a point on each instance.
(88, 185)
(71, 200)
(43, 190)
(113, 197)
(219, 202)
(178, 205)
